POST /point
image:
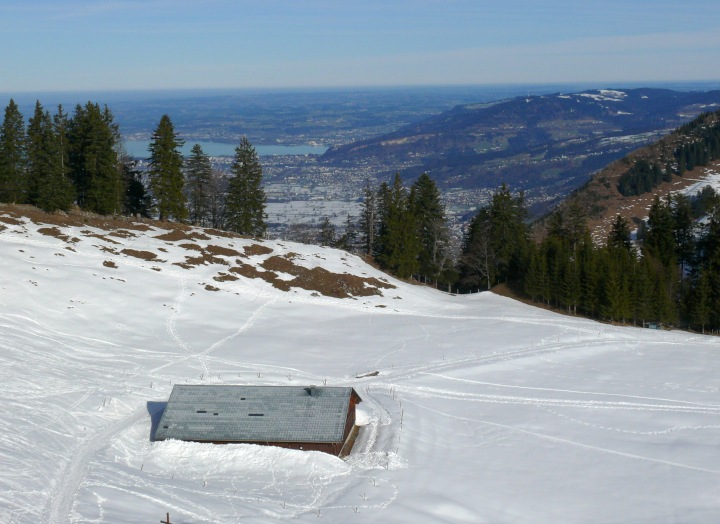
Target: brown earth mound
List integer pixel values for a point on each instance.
(144, 255)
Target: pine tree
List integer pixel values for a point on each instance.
(659, 237)
(700, 307)
(94, 165)
(620, 234)
(478, 260)
(398, 242)
(509, 232)
(165, 172)
(216, 202)
(368, 219)
(348, 240)
(137, 201)
(13, 155)
(246, 196)
(198, 173)
(683, 231)
(432, 229)
(327, 232)
(49, 187)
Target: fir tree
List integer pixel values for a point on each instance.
(137, 201)
(348, 239)
(198, 174)
(49, 187)
(327, 232)
(246, 196)
(94, 164)
(432, 228)
(368, 219)
(216, 203)
(165, 172)
(478, 261)
(620, 234)
(659, 237)
(700, 306)
(398, 243)
(13, 155)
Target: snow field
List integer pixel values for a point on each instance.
(484, 409)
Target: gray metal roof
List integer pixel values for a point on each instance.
(255, 414)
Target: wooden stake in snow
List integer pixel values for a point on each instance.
(167, 519)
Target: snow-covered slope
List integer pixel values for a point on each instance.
(484, 409)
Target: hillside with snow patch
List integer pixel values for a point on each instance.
(483, 409)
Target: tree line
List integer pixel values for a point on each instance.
(672, 278)
(403, 229)
(57, 161)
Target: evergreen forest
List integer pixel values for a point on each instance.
(58, 161)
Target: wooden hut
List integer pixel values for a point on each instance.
(296, 417)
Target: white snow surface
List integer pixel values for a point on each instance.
(485, 410)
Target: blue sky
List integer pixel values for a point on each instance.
(161, 44)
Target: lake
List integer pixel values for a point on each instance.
(139, 149)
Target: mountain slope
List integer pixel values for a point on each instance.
(601, 199)
(545, 145)
(483, 409)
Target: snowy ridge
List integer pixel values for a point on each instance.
(484, 409)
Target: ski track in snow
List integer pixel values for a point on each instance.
(69, 479)
(572, 443)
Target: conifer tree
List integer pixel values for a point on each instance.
(432, 230)
(246, 196)
(620, 234)
(368, 219)
(137, 201)
(198, 174)
(216, 202)
(398, 243)
(478, 260)
(13, 155)
(683, 231)
(348, 240)
(327, 232)
(700, 307)
(48, 186)
(94, 165)
(165, 172)
(659, 237)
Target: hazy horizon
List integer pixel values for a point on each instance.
(100, 45)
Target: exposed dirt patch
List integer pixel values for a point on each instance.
(10, 220)
(110, 263)
(203, 259)
(144, 255)
(55, 232)
(224, 277)
(2, 228)
(222, 251)
(123, 233)
(315, 279)
(101, 237)
(74, 217)
(256, 249)
(249, 271)
(212, 288)
(224, 234)
(106, 249)
(191, 247)
(182, 233)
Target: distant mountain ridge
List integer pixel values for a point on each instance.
(545, 145)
